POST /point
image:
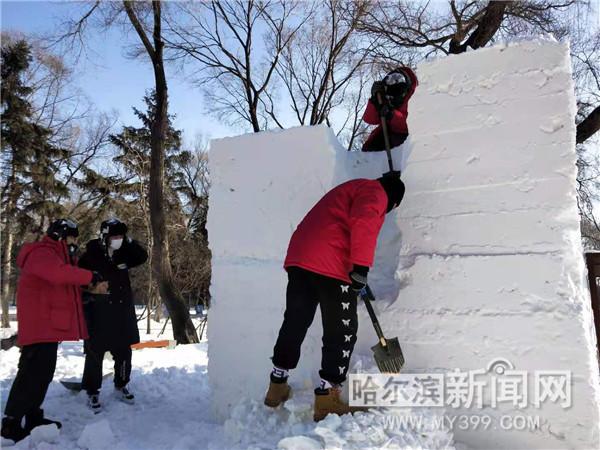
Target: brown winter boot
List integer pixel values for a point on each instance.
(277, 394)
(328, 401)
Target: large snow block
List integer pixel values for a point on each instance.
(481, 262)
(245, 328)
(256, 174)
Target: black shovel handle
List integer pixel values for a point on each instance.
(366, 297)
(384, 129)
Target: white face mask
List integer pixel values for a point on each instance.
(115, 244)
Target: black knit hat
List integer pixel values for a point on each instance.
(61, 228)
(394, 188)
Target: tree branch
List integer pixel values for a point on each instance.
(589, 126)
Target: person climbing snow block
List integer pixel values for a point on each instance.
(389, 98)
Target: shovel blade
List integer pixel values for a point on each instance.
(389, 357)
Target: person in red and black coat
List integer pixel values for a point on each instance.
(395, 90)
(327, 262)
(49, 310)
(111, 318)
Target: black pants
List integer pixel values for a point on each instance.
(34, 375)
(305, 291)
(92, 371)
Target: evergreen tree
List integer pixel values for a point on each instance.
(185, 213)
(30, 178)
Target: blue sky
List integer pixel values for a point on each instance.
(110, 79)
(115, 82)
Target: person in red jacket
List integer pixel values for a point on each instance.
(395, 90)
(327, 262)
(49, 310)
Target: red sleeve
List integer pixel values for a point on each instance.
(398, 121)
(47, 265)
(366, 218)
(370, 116)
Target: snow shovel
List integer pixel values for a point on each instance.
(387, 353)
(74, 385)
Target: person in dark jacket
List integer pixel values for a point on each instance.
(327, 262)
(395, 90)
(111, 318)
(49, 310)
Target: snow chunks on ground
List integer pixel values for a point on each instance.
(252, 425)
(97, 436)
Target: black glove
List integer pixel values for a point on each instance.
(96, 278)
(378, 95)
(358, 277)
(387, 111)
(377, 88)
(397, 99)
(384, 108)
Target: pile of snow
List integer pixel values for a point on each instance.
(97, 435)
(292, 427)
(482, 261)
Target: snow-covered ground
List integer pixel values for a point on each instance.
(173, 411)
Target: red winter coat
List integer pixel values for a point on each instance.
(397, 124)
(49, 307)
(340, 230)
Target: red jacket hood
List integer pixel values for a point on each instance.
(58, 246)
(414, 82)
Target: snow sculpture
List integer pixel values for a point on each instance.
(480, 269)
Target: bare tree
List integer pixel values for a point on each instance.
(59, 109)
(146, 20)
(434, 28)
(585, 52)
(322, 67)
(237, 44)
(183, 328)
(353, 129)
(194, 184)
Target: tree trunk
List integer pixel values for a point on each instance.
(183, 327)
(149, 304)
(8, 239)
(489, 24)
(486, 28)
(7, 249)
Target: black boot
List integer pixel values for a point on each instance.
(12, 429)
(37, 419)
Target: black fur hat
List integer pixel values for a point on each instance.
(394, 188)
